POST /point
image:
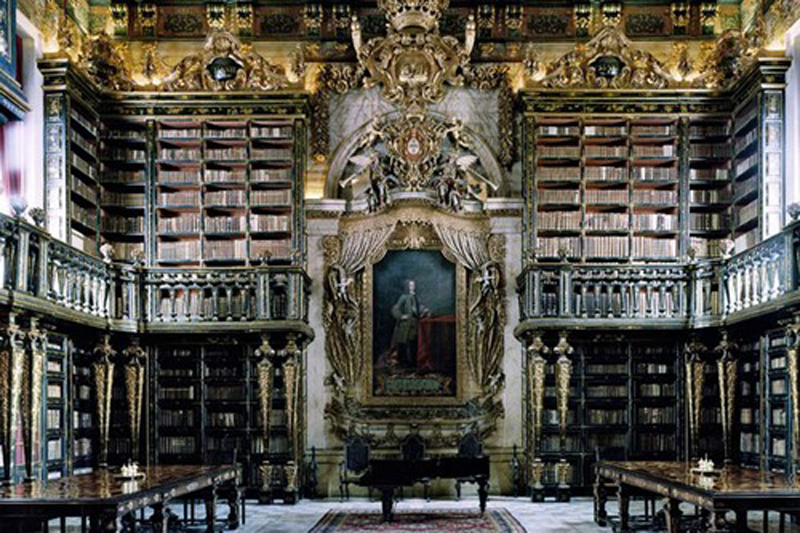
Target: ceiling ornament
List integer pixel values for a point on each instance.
(102, 59)
(727, 59)
(225, 64)
(414, 61)
(415, 153)
(609, 60)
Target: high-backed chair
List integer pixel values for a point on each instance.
(355, 463)
(412, 448)
(469, 446)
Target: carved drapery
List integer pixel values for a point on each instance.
(727, 367)
(135, 358)
(346, 257)
(563, 376)
(536, 388)
(32, 412)
(104, 381)
(695, 380)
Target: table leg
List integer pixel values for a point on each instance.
(103, 523)
(483, 493)
(233, 497)
(672, 512)
(387, 500)
(600, 498)
(211, 508)
(159, 519)
(624, 503)
(128, 523)
(741, 521)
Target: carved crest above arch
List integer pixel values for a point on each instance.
(609, 60)
(225, 64)
(417, 155)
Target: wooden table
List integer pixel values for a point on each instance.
(736, 489)
(104, 498)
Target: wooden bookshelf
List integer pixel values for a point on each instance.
(777, 403)
(84, 418)
(56, 400)
(749, 403)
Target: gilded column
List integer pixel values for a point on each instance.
(695, 380)
(11, 384)
(290, 376)
(727, 375)
(33, 410)
(563, 376)
(104, 383)
(536, 375)
(135, 359)
(264, 375)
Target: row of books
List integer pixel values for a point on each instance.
(750, 442)
(271, 153)
(655, 443)
(748, 415)
(743, 188)
(643, 173)
(225, 175)
(744, 141)
(603, 173)
(604, 131)
(606, 368)
(606, 196)
(85, 216)
(83, 166)
(653, 368)
(54, 419)
(592, 130)
(179, 176)
(744, 165)
(709, 173)
(226, 420)
(656, 415)
(122, 224)
(189, 198)
(176, 417)
(606, 391)
(606, 246)
(122, 176)
(778, 417)
(710, 150)
(180, 154)
(777, 363)
(605, 151)
(606, 417)
(280, 197)
(179, 251)
(559, 196)
(225, 224)
(180, 133)
(132, 199)
(559, 220)
(606, 221)
(646, 247)
(226, 133)
(125, 134)
(55, 450)
(777, 387)
(259, 131)
(127, 250)
(709, 196)
(657, 390)
(84, 121)
(226, 197)
(216, 250)
(180, 372)
(177, 445)
(186, 392)
(270, 223)
(708, 129)
(655, 196)
(655, 222)
(226, 392)
(745, 116)
(85, 190)
(708, 221)
(125, 154)
(223, 371)
(231, 153)
(185, 223)
(82, 420)
(85, 144)
(745, 214)
(550, 246)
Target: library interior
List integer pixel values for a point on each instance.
(353, 266)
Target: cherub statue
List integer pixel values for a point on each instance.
(379, 181)
(452, 184)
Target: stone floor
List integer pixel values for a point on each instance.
(549, 517)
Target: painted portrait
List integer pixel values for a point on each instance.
(414, 325)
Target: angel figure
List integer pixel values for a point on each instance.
(340, 283)
(371, 167)
(453, 183)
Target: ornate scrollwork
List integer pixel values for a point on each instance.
(333, 78)
(104, 385)
(225, 64)
(135, 358)
(413, 62)
(536, 375)
(103, 60)
(264, 374)
(729, 57)
(609, 60)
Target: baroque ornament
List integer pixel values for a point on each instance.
(415, 153)
(609, 60)
(414, 61)
(103, 60)
(224, 64)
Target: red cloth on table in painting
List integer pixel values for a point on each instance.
(428, 343)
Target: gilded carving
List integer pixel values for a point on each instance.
(497, 77)
(224, 64)
(216, 15)
(119, 18)
(104, 381)
(264, 373)
(563, 350)
(722, 63)
(5, 399)
(16, 343)
(727, 367)
(536, 375)
(695, 380)
(135, 359)
(609, 60)
(38, 344)
(793, 332)
(413, 62)
(103, 60)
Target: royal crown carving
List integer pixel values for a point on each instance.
(225, 64)
(413, 62)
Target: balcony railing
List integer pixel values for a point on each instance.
(42, 274)
(760, 279)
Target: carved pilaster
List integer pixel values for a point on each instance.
(793, 332)
(135, 358)
(290, 375)
(264, 375)
(695, 379)
(563, 375)
(104, 382)
(536, 374)
(32, 412)
(16, 372)
(727, 375)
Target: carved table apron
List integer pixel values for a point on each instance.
(736, 489)
(104, 498)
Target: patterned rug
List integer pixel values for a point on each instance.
(420, 521)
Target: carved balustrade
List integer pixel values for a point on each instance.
(759, 275)
(43, 274)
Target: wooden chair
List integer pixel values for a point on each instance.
(469, 446)
(619, 454)
(413, 449)
(355, 463)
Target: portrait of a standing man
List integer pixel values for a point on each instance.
(407, 313)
